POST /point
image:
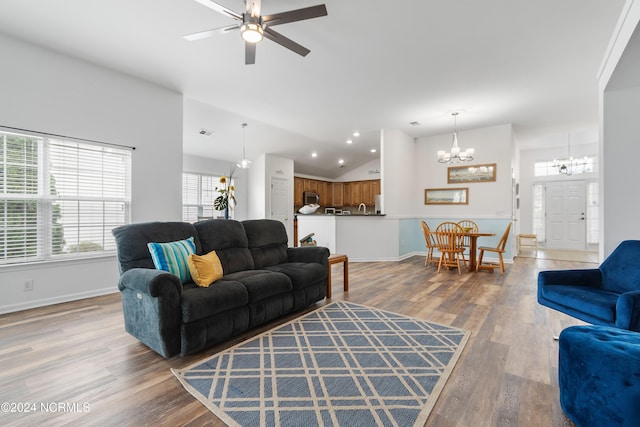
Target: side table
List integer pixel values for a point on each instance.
(337, 259)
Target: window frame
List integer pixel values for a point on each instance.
(96, 192)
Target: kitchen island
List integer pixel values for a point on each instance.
(363, 237)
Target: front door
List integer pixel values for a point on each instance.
(565, 215)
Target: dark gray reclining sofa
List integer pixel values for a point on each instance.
(263, 280)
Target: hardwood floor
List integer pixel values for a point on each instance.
(78, 354)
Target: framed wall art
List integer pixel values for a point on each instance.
(476, 173)
(446, 196)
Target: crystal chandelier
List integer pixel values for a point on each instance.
(244, 163)
(570, 166)
(456, 155)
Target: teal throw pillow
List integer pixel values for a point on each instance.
(173, 256)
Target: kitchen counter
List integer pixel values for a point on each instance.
(340, 233)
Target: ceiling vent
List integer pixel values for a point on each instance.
(205, 132)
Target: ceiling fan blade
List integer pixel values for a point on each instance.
(253, 7)
(249, 53)
(208, 33)
(220, 9)
(295, 15)
(286, 42)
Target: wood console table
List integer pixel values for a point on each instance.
(337, 259)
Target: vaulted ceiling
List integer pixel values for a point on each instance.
(373, 64)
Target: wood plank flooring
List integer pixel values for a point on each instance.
(78, 355)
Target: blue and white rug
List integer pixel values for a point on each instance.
(341, 365)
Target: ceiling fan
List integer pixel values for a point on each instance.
(254, 27)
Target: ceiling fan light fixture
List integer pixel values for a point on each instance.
(251, 32)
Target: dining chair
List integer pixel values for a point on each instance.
(429, 242)
(468, 226)
(498, 249)
(449, 238)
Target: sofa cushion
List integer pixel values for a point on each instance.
(261, 284)
(302, 275)
(228, 239)
(267, 240)
(199, 303)
(132, 239)
(173, 256)
(596, 302)
(205, 269)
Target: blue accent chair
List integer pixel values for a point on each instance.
(607, 296)
(599, 376)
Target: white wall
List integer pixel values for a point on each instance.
(370, 170)
(486, 199)
(398, 172)
(48, 92)
(619, 85)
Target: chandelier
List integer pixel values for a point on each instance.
(570, 166)
(456, 155)
(244, 163)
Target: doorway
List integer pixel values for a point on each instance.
(565, 215)
(280, 202)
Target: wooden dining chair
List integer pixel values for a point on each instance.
(429, 242)
(468, 226)
(498, 249)
(450, 245)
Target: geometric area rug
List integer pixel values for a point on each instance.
(343, 364)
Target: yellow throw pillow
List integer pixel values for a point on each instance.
(205, 269)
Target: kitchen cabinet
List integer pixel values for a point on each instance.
(323, 192)
(298, 190)
(356, 193)
(338, 194)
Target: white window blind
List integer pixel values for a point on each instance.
(60, 198)
(198, 194)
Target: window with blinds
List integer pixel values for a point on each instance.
(198, 194)
(60, 198)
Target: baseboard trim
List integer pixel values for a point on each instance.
(4, 309)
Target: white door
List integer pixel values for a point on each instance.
(565, 215)
(279, 200)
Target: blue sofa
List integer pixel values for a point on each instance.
(608, 295)
(263, 280)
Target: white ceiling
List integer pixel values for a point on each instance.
(373, 64)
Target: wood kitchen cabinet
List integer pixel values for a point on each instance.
(356, 193)
(323, 192)
(338, 194)
(298, 190)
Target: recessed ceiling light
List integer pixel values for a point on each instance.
(349, 141)
(373, 150)
(314, 154)
(341, 161)
(356, 134)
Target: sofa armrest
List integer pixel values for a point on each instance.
(150, 282)
(628, 311)
(588, 277)
(317, 254)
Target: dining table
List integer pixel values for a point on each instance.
(473, 247)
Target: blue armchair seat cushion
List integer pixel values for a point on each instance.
(598, 303)
(599, 375)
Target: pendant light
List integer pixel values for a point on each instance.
(244, 163)
(456, 155)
